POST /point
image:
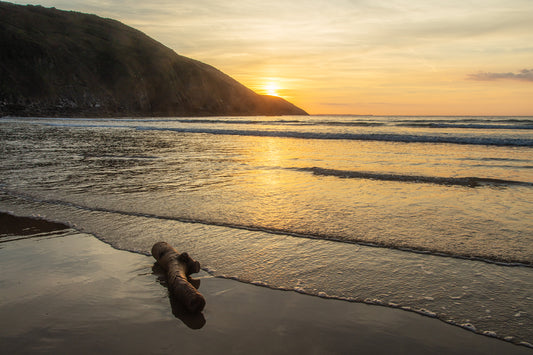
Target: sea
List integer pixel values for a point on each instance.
(427, 214)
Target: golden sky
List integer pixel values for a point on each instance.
(396, 57)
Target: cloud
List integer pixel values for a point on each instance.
(524, 75)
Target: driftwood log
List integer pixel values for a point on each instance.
(178, 268)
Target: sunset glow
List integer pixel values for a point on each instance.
(353, 57)
(271, 89)
(342, 176)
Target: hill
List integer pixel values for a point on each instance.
(64, 63)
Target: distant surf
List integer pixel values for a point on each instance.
(381, 137)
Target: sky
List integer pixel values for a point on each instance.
(396, 57)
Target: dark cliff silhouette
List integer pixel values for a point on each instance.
(64, 63)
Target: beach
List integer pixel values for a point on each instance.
(347, 186)
(64, 291)
(424, 218)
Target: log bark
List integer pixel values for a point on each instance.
(178, 268)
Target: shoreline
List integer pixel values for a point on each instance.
(63, 290)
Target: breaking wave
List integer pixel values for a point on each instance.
(382, 137)
(460, 181)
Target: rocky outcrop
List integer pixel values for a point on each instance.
(59, 63)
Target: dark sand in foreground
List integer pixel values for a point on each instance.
(68, 292)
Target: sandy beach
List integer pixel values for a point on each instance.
(67, 292)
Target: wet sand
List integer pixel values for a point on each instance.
(67, 292)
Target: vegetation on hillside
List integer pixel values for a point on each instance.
(55, 62)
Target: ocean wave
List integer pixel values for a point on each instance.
(348, 121)
(237, 121)
(257, 228)
(467, 125)
(411, 299)
(466, 119)
(121, 123)
(451, 181)
(382, 137)
(462, 124)
(258, 129)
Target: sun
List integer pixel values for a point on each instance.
(271, 89)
